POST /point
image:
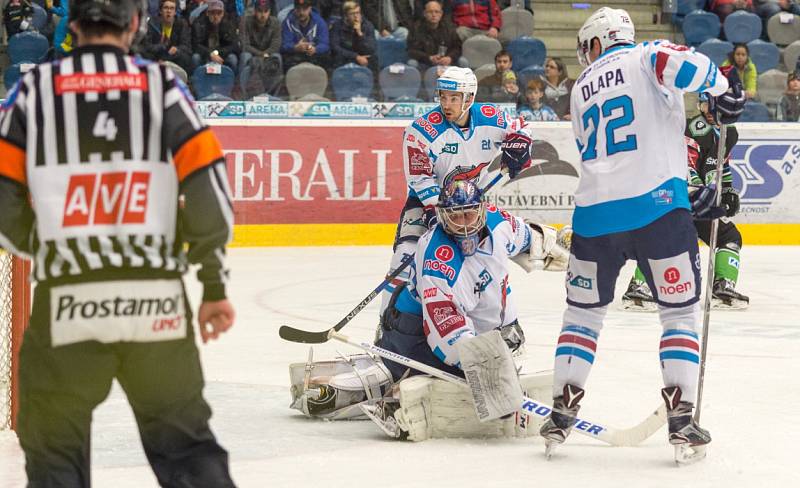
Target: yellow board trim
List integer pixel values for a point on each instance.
(383, 234)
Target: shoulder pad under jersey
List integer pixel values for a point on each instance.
(484, 114)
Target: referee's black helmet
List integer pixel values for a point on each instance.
(115, 12)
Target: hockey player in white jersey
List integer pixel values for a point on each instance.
(632, 203)
(457, 140)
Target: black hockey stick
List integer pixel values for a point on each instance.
(308, 337)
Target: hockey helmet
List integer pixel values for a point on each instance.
(611, 26)
(461, 80)
(462, 214)
(115, 12)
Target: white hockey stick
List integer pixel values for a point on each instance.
(615, 437)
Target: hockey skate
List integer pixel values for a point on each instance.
(638, 298)
(558, 426)
(725, 297)
(690, 440)
(382, 413)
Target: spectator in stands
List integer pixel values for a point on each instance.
(789, 103)
(532, 108)
(261, 45)
(433, 42)
(508, 91)
(168, 37)
(504, 4)
(740, 59)
(304, 37)
(723, 8)
(557, 87)
(215, 38)
(491, 87)
(17, 16)
(62, 37)
(767, 8)
(353, 38)
(473, 17)
(390, 17)
(331, 10)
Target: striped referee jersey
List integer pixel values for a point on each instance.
(108, 170)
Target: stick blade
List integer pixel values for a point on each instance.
(291, 334)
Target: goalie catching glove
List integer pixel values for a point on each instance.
(549, 249)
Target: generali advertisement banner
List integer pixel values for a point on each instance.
(350, 172)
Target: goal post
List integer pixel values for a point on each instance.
(15, 305)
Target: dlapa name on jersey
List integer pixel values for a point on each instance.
(117, 311)
(607, 79)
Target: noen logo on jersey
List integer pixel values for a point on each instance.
(108, 198)
(438, 267)
(672, 276)
(444, 253)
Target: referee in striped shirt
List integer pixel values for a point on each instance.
(112, 184)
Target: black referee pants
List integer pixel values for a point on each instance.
(61, 386)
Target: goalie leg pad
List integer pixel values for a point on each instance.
(491, 374)
(334, 389)
(431, 408)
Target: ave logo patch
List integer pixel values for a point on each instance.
(109, 198)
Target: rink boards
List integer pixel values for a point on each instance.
(341, 182)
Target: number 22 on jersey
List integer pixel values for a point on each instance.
(613, 114)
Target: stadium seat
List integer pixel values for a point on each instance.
(282, 4)
(790, 55)
(783, 34)
(527, 51)
(755, 112)
(399, 82)
(771, 85)
(684, 8)
(429, 82)
(27, 47)
(283, 13)
(206, 84)
(39, 17)
(527, 74)
(716, 50)
(179, 72)
(351, 80)
(10, 76)
(765, 55)
(699, 26)
(391, 51)
(305, 79)
(480, 50)
(742, 26)
(517, 22)
(483, 71)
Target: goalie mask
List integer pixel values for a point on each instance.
(462, 214)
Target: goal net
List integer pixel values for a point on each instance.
(14, 307)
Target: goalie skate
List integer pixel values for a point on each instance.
(382, 414)
(638, 298)
(725, 297)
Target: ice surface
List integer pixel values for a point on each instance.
(751, 395)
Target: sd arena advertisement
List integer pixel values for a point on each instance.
(318, 182)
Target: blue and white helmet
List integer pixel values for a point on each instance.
(461, 80)
(462, 214)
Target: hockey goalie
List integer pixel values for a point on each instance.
(455, 314)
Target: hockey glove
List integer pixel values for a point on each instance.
(730, 201)
(429, 218)
(730, 105)
(516, 157)
(702, 201)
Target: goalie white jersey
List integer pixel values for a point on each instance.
(633, 172)
(436, 151)
(460, 296)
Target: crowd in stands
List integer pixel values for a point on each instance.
(259, 41)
